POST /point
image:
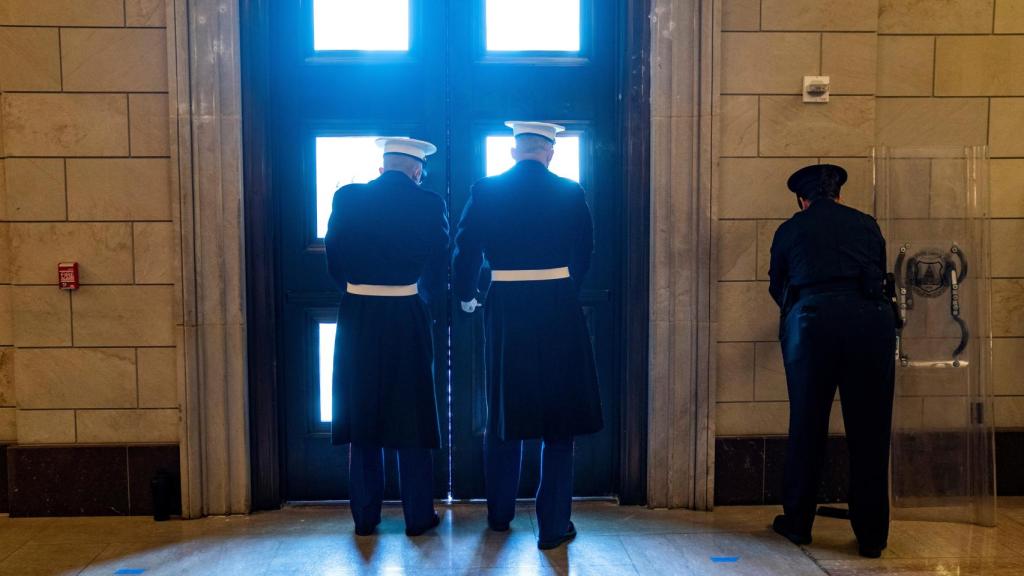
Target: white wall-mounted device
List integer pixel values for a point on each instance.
(816, 88)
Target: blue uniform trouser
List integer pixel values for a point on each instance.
(840, 341)
(366, 485)
(503, 459)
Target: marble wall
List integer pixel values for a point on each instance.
(84, 177)
(904, 73)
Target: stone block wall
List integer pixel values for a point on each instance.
(904, 73)
(967, 86)
(84, 177)
(767, 132)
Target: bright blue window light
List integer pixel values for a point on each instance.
(327, 332)
(342, 160)
(533, 25)
(365, 25)
(566, 162)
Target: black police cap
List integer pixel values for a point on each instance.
(806, 182)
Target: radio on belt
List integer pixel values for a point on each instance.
(67, 275)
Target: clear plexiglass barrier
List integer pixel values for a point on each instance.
(933, 207)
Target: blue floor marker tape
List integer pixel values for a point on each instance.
(130, 571)
(725, 559)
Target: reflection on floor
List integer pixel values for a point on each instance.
(613, 540)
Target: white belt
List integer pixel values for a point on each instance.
(530, 275)
(389, 291)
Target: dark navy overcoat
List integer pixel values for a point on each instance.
(388, 232)
(541, 377)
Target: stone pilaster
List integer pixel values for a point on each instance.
(207, 152)
(681, 428)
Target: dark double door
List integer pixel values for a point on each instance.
(451, 72)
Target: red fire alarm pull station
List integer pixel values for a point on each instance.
(67, 275)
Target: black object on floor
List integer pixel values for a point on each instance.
(833, 512)
(163, 495)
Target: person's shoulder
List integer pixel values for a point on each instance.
(349, 191)
(488, 184)
(430, 197)
(850, 210)
(352, 188)
(789, 228)
(567, 184)
(556, 186)
(428, 193)
(855, 214)
(789, 225)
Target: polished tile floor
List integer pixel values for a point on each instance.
(613, 540)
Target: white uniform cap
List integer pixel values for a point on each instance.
(417, 149)
(542, 129)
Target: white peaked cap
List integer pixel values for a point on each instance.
(542, 129)
(417, 149)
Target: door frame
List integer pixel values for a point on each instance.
(262, 272)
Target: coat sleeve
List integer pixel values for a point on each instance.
(434, 283)
(469, 249)
(583, 242)
(336, 265)
(778, 273)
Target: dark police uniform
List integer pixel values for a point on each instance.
(837, 330)
(389, 232)
(541, 377)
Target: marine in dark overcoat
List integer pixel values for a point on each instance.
(387, 250)
(541, 377)
(387, 232)
(535, 231)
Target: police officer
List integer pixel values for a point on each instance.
(534, 229)
(837, 330)
(387, 250)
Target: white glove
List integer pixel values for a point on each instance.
(471, 306)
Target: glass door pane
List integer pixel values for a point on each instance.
(533, 25)
(363, 25)
(565, 163)
(325, 346)
(342, 160)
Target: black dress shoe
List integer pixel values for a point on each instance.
(366, 530)
(781, 525)
(434, 523)
(498, 527)
(871, 551)
(551, 544)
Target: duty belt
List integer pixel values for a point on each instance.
(530, 275)
(852, 285)
(386, 291)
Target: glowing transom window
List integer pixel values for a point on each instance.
(342, 160)
(533, 25)
(566, 161)
(365, 25)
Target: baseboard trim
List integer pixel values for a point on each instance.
(102, 480)
(749, 469)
